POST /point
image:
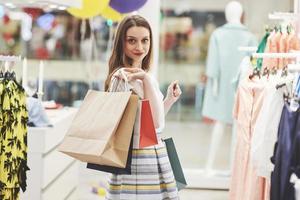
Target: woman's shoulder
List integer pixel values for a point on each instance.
(117, 72)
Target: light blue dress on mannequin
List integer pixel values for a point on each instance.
(222, 63)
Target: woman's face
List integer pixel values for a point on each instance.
(137, 43)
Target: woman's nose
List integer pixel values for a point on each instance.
(139, 46)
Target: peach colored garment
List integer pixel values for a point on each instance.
(271, 47)
(277, 45)
(245, 184)
(283, 49)
(293, 43)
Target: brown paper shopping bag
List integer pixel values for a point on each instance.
(102, 129)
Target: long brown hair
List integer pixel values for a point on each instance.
(118, 58)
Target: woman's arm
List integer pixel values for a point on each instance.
(152, 93)
(167, 105)
(173, 94)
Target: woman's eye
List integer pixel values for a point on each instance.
(131, 41)
(145, 40)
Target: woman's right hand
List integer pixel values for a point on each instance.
(135, 73)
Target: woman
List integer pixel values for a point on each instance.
(152, 177)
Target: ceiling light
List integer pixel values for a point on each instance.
(62, 8)
(10, 5)
(52, 6)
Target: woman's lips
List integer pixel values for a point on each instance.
(138, 54)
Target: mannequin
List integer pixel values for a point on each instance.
(233, 15)
(216, 93)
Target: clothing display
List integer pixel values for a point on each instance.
(289, 127)
(278, 42)
(13, 138)
(222, 65)
(37, 116)
(265, 130)
(149, 100)
(266, 111)
(259, 112)
(151, 173)
(245, 184)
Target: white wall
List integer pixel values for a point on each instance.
(202, 5)
(257, 12)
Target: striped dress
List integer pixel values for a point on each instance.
(151, 175)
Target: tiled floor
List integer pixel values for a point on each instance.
(192, 141)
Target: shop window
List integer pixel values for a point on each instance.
(184, 41)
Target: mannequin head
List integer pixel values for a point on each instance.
(233, 12)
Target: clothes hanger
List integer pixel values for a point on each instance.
(6, 70)
(11, 73)
(286, 94)
(280, 29)
(256, 70)
(273, 70)
(2, 71)
(284, 79)
(284, 72)
(266, 72)
(288, 29)
(276, 28)
(267, 29)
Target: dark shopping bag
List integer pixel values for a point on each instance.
(115, 170)
(175, 164)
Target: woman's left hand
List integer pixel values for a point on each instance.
(173, 92)
(135, 73)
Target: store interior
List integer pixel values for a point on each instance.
(57, 56)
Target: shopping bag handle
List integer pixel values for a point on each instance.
(124, 77)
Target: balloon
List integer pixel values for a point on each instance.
(110, 13)
(101, 191)
(90, 8)
(34, 12)
(126, 6)
(45, 21)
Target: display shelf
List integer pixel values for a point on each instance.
(50, 169)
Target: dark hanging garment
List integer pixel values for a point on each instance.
(281, 188)
(295, 161)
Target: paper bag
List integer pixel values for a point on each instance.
(102, 129)
(148, 135)
(175, 163)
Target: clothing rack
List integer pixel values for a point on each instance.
(276, 55)
(285, 16)
(10, 58)
(247, 48)
(290, 67)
